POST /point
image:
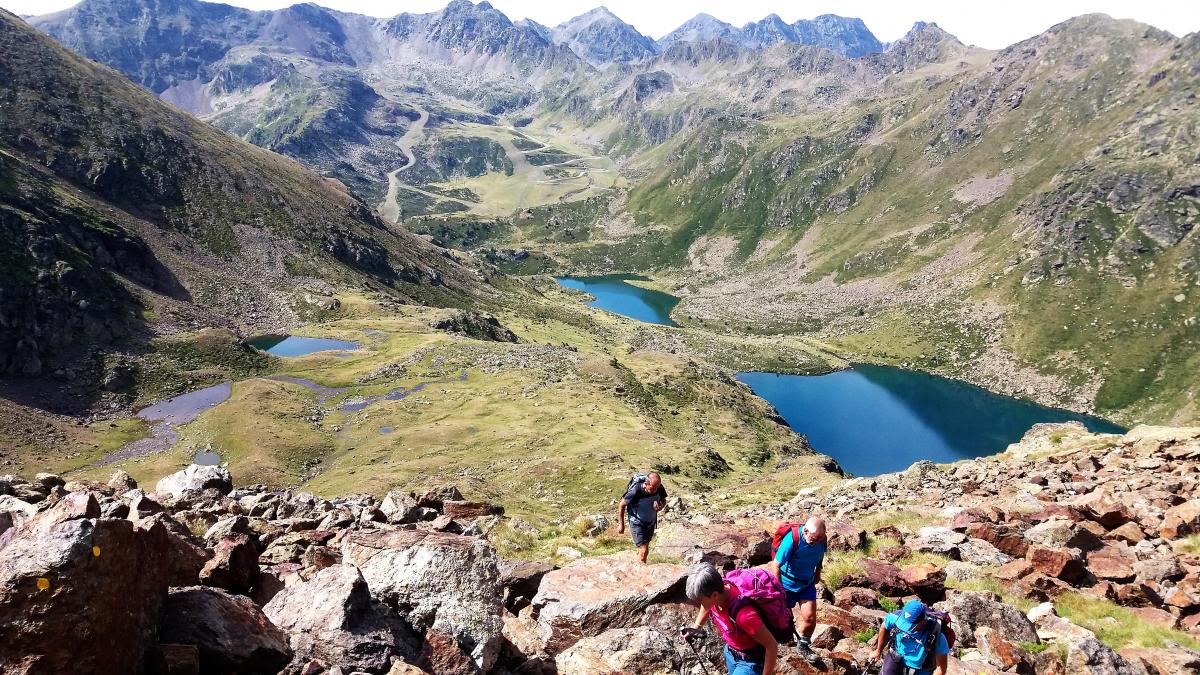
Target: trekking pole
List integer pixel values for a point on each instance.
(699, 659)
(867, 668)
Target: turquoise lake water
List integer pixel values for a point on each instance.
(293, 345)
(871, 419)
(616, 296)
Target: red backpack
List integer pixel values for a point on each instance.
(759, 589)
(781, 532)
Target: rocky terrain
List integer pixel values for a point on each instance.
(1072, 553)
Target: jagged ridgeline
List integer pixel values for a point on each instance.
(1022, 218)
(122, 217)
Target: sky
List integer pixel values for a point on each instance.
(992, 25)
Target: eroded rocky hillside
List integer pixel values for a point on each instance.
(1072, 553)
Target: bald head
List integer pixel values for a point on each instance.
(653, 480)
(814, 530)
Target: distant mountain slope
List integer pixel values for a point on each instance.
(847, 36)
(600, 37)
(122, 217)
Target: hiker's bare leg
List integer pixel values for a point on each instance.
(643, 551)
(808, 618)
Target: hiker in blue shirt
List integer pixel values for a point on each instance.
(911, 643)
(644, 498)
(798, 565)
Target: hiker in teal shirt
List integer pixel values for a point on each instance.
(798, 565)
(911, 642)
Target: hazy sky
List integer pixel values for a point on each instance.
(992, 25)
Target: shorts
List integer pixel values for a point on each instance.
(794, 598)
(642, 533)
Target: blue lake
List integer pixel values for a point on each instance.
(613, 294)
(875, 419)
(292, 345)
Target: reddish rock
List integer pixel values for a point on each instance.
(1006, 539)
(234, 565)
(723, 546)
(927, 581)
(891, 532)
(1181, 521)
(520, 580)
(1156, 616)
(1108, 512)
(844, 620)
(231, 633)
(1112, 563)
(845, 536)
(174, 660)
(826, 636)
(880, 576)
(1129, 533)
(1057, 563)
(998, 651)
(1013, 570)
(964, 518)
(1038, 586)
(464, 510)
(1163, 661)
(77, 582)
(441, 655)
(894, 553)
(1138, 595)
(851, 596)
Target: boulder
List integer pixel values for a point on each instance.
(195, 479)
(846, 621)
(1112, 563)
(1130, 533)
(464, 510)
(1092, 657)
(880, 576)
(186, 558)
(442, 655)
(851, 596)
(442, 582)
(970, 610)
(1181, 520)
(844, 536)
(230, 631)
(927, 581)
(980, 552)
(724, 546)
(621, 650)
(591, 595)
(1059, 563)
(67, 582)
(999, 651)
(939, 540)
(520, 580)
(234, 565)
(121, 482)
(333, 618)
(1006, 539)
(1163, 661)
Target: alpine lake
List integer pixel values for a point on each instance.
(871, 419)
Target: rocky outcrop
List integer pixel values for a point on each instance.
(231, 634)
(591, 595)
(194, 480)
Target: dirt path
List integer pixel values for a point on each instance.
(390, 207)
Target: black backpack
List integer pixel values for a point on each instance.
(638, 479)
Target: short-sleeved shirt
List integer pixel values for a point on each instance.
(912, 649)
(641, 503)
(798, 562)
(741, 636)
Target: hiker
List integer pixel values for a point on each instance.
(798, 558)
(750, 646)
(644, 498)
(918, 646)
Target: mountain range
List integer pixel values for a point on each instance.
(1021, 218)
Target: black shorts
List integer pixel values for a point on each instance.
(642, 532)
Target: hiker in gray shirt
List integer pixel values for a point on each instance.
(643, 500)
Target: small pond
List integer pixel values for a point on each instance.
(289, 346)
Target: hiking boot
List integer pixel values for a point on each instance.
(806, 652)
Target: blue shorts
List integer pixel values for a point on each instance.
(738, 663)
(794, 598)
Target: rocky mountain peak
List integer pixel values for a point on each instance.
(601, 37)
(700, 28)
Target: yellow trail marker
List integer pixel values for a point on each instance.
(96, 551)
(43, 583)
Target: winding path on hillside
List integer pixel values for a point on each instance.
(390, 207)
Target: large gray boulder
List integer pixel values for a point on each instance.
(970, 610)
(1092, 657)
(439, 582)
(194, 480)
(622, 650)
(231, 633)
(592, 595)
(332, 618)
